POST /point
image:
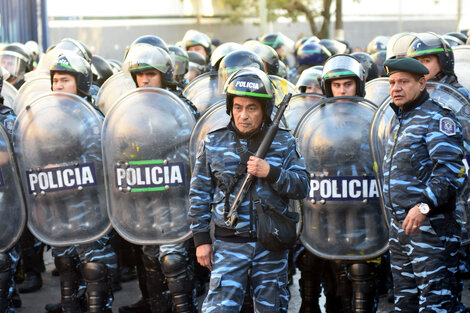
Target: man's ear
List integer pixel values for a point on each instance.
(422, 83)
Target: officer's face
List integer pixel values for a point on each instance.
(247, 114)
(315, 88)
(199, 49)
(343, 87)
(431, 61)
(149, 78)
(404, 87)
(64, 82)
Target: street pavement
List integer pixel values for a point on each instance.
(130, 293)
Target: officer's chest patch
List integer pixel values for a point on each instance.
(447, 126)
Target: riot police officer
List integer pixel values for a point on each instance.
(344, 76)
(235, 255)
(421, 181)
(16, 59)
(166, 266)
(198, 42)
(436, 54)
(96, 261)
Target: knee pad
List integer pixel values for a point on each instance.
(361, 272)
(93, 271)
(65, 264)
(173, 265)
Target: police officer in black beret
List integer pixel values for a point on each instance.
(423, 172)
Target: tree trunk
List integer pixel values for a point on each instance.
(339, 27)
(325, 29)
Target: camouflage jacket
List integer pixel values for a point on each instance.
(217, 161)
(423, 158)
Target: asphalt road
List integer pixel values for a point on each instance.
(130, 293)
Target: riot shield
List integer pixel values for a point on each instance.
(445, 95)
(204, 91)
(12, 206)
(57, 141)
(145, 147)
(30, 90)
(9, 94)
(282, 88)
(342, 215)
(462, 64)
(377, 90)
(113, 88)
(298, 105)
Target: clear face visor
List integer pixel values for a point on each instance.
(75, 47)
(399, 47)
(309, 79)
(342, 66)
(223, 50)
(13, 62)
(433, 43)
(181, 64)
(193, 38)
(142, 57)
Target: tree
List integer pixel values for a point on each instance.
(313, 10)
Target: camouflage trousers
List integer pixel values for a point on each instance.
(425, 266)
(234, 264)
(160, 251)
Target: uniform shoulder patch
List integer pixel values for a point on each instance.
(447, 126)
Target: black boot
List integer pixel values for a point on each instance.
(32, 282)
(176, 269)
(364, 289)
(5, 282)
(141, 306)
(310, 267)
(98, 290)
(156, 285)
(68, 284)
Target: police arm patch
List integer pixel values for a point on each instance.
(200, 149)
(447, 126)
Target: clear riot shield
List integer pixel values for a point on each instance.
(342, 215)
(377, 90)
(113, 88)
(445, 95)
(214, 118)
(33, 88)
(12, 206)
(145, 146)
(57, 142)
(204, 91)
(9, 94)
(298, 105)
(462, 64)
(282, 88)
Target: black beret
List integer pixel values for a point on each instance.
(405, 64)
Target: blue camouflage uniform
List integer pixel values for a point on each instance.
(423, 163)
(237, 254)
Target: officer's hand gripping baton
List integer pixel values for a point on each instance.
(232, 216)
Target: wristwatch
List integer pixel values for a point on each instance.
(423, 208)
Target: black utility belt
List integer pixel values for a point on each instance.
(231, 235)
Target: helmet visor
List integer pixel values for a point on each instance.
(13, 62)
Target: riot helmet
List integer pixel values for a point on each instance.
(151, 40)
(142, 57)
(343, 66)
(34, 49)
(379, 59)
(460, 36)
(236, 60)
(266, 53)
(197, 65)
(453, 41)
(334, 46)
(368, 64)
(253, 83)
(279, 42)
(310, 78)
(398, 45)
(283, 70)
(379, 43)
(431, 43)
(70, 63)
(16, 60)
(311, 54)
(101, 70)
(181, 60)
(196, 38)
(221, 51)
(76, 46)
(115, 65)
